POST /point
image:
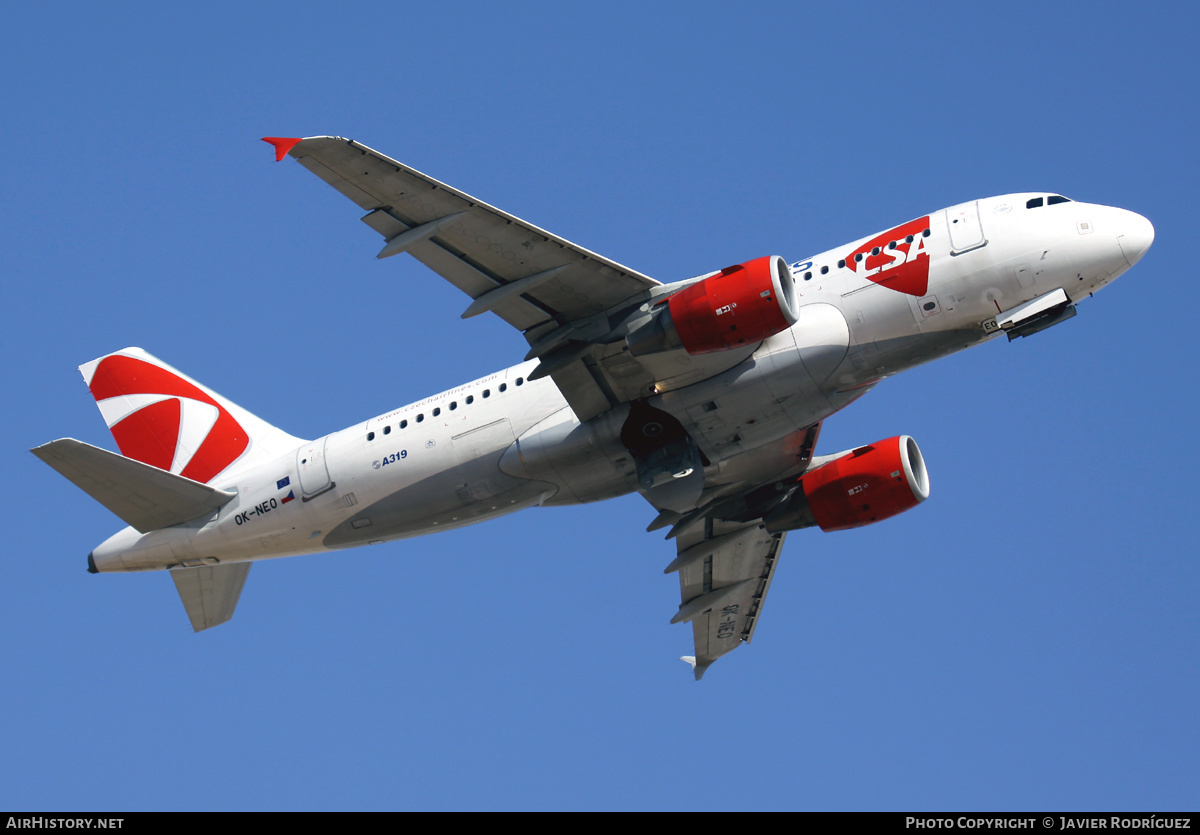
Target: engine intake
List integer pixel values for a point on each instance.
(740, 305)
(857, 488)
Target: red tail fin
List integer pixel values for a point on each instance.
(160, 417)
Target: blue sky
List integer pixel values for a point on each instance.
(1027, 639)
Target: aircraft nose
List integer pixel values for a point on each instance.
(1135, 236)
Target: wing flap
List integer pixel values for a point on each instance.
(143, 496)
(210, 593)
(519, 312)
(473, 281)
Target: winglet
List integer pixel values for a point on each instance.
(697, 668)
(282, 145)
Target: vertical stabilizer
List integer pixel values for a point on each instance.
(166, 419)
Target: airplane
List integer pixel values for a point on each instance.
(705, 395)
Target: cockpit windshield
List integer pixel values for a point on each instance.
(1051, 200)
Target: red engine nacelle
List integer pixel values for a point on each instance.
(740, 305)
(863, 486)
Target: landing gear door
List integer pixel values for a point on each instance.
(966, 229)
(669, 466)
(314, 474)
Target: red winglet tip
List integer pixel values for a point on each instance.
(282, 145)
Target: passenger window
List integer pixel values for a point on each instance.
(487, 392)
(387, 430)
(925, 234)
(1035, 203)
(503, 387)
(420, 418)
(842, 264)
(520, 381)
(437, 411)
(808, 276)
(370, 436)
(403, 424)
(470, 399)
(453, 405)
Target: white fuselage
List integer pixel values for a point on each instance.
(504, 442)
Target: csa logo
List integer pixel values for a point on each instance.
(896, 259)
(164, 421)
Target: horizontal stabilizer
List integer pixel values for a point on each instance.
(143, 496)
(210, 593)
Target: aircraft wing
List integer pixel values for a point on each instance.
(725, 570)
(539, 283)
(726, 557)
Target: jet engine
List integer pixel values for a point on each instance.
(740, 305)
(856, 488)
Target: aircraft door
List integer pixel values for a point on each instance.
(314, 473)
(966, 229)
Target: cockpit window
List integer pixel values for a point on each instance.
(1052, 200)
